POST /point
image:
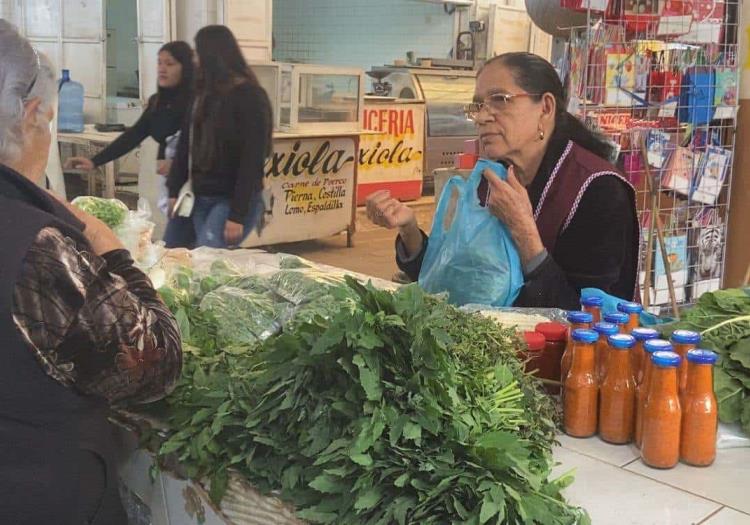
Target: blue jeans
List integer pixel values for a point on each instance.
(210, 215)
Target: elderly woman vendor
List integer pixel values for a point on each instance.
(570, 213)
(81, 327)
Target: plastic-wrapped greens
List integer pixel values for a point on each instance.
(299, 286)
(111, 212)
(243, 316)
(292, 262)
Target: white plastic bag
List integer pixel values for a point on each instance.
(731, 436)
(135, 233)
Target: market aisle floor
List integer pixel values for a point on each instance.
(373, 251)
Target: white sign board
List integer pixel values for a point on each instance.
(309, 189)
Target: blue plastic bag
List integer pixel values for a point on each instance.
(610, 306)
(474, 260)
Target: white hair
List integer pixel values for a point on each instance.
(25, 74)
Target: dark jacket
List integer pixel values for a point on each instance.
(585, 211)
(160, 120)
(241, 141)
(78, 332)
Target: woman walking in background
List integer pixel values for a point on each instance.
(162, 119)
(231, 129)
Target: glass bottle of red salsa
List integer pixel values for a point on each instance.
(633, 311)
(581, 388)
(649, 347)
(617, 393)
(556, 336)
(618, 318)
(638, 355)
(602, 346)
(662, 414)
(535, 343)
(699, 411)
(578, 320)
(683, 341)
(593, 305)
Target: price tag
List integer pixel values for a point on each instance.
(674, 25)
(668, 109)
(725, 112)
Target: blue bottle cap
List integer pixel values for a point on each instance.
(603, 328)
(657, 345)
(616, 318)
(702, 357)
(686, 337)
(665, 359)
(621, 341)
(630, 308)
(592, 301)
(644, 334)
(584, 335)
(577, 317)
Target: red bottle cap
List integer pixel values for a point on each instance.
(553, 331)
(465, 161)
(535, 341)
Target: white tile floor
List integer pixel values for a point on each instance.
(616, 488)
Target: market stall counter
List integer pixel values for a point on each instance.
(284, 396)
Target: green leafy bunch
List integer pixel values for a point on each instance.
(393, 408)
(723, 320)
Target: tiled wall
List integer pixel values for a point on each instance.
(360, 33)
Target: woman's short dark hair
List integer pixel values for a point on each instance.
(534, 74)
(182, 53)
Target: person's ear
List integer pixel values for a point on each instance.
(31, 112)
(549, 107)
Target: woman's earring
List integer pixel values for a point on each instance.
(541, 134)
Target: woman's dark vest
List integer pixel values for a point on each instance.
(45, 428)
(576, 169)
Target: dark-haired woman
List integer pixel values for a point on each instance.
(163, 117)
(231, 130)
(571, 214)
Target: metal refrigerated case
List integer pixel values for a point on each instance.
(445, 92)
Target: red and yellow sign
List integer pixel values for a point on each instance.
(393, 159)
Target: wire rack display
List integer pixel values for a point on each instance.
(660, 78)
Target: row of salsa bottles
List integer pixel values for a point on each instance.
(636, 387)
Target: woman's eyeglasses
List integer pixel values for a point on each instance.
(493, 103)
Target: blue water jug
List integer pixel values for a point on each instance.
(70, 104)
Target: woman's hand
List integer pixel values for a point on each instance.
(79, 163)
(385, 211)
(163, 167)
(233, 233)
(388, 212)
(509, 202)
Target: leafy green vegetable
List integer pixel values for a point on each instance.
(378, 407)
(723, 320)
(111, 212)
